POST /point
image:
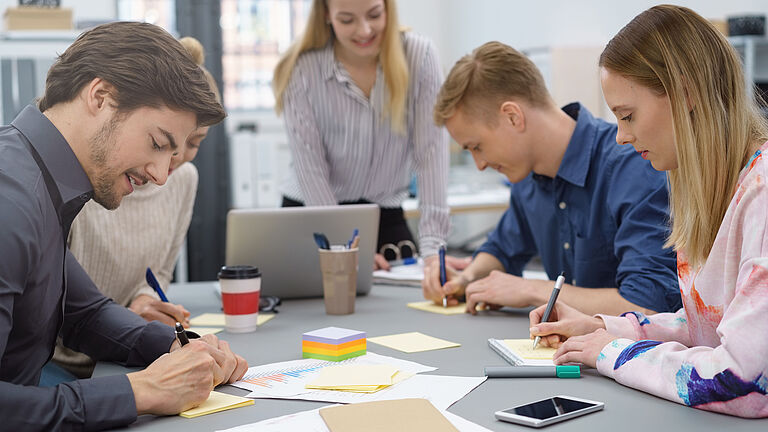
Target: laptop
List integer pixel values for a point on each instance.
(280, 243)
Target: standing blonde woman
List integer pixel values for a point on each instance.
(677, 89)
(357, 93)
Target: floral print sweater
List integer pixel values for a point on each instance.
(713, 353)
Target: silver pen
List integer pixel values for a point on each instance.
(552, 299)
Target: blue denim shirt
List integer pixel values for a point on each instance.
(602, 220)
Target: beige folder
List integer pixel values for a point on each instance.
(402, 415)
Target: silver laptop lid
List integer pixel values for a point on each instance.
(279, 242)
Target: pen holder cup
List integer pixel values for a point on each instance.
(339, 268)
(240, 292)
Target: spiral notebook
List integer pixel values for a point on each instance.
(520, 352)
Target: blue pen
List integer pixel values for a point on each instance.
(322, 241)
(152, 281)
(443, 277)
(404, 262)
(354, 234)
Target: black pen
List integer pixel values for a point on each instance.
(551, 303)
(181, 334)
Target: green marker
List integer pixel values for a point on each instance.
(569, 371)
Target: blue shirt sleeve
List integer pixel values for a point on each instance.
(638, 201)
(511, 242)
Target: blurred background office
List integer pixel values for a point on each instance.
(245, 158)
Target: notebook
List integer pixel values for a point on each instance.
(412, 342)
(405, 275)
(279, 242)
(520, 352)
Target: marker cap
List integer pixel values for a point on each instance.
(569, 371)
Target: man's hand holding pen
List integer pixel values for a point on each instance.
(185, 377)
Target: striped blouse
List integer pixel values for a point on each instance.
(345, 150)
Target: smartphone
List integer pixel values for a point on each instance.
(547, 411)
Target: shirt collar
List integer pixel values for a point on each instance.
(55, 153)
(578, 156)
(331, 67)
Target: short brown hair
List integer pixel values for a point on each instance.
(492, 73)
(147, 67)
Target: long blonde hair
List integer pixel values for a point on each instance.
(675, 52)
(316, 36)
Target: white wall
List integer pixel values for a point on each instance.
(458, 26)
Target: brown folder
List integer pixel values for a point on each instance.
(401, 415)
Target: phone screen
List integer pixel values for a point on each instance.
(549, 408)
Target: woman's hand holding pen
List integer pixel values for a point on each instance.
(564, 322)
(152, 309)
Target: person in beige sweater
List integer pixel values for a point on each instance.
(115, 250)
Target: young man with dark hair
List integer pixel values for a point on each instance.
(572, 201)
(117, 105)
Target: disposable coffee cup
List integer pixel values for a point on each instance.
(240, 291)
(339, 268)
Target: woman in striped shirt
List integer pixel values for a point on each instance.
(357, 95)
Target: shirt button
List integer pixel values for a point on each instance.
(566, 245)
(562, 205)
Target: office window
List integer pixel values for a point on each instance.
(158, 12)
(255, 33)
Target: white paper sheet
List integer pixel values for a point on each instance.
(310, 421)
(284, 380)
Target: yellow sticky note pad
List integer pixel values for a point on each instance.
(217, 319)
(412, 342)
(357, 378)
(217, 402)
(428, 306)
(355, 375)
(208, 320)
(202, 331)
(524, 348)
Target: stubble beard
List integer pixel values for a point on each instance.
(102, 146)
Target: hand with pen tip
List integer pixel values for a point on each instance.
(563, 323)
(455, 282)
(184, 378)
(152, 309)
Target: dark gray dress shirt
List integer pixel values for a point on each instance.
(44, 292)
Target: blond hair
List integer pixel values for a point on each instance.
(197, 52)
(493, 73)
(675, 52)
(392, 57)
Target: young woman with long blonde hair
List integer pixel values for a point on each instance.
(356, 93)
(677, 89)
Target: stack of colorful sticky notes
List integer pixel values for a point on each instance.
(333, 343)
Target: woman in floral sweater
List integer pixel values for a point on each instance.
(677, 89)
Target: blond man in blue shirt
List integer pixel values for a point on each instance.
(588, 207)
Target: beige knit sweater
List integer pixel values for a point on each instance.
(115, 247)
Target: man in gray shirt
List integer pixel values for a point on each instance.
(117, 104)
